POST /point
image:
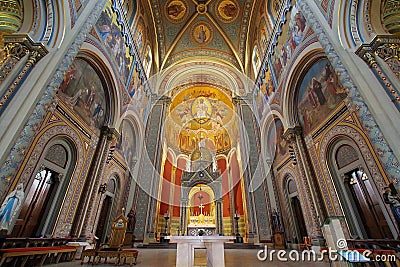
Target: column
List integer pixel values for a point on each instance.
(219, 219)
(257, 201)
(83, 222)
(149, 172)
(183, 219)
(306, 184)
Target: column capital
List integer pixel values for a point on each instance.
(291, 133)
(19, 45)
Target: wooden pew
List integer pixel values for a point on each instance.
(44, 252)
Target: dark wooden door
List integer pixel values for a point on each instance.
(37, 202)
(299, 218)
(103, 219)
(364, 198)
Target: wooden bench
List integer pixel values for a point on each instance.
(121, 257)
(44, 252)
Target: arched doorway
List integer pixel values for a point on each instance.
(46, 190)
(106, 214)
(298, 225)
(357, 192)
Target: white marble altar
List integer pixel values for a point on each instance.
(187, 244)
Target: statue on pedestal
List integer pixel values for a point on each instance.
(10, 209)
(392, 198)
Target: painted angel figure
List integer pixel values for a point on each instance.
(11, 207)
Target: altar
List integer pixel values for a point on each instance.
(187, 244)
(201, 225)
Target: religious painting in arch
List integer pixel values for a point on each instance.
(319, 94)
(277, 145)
(111, 35)
(128, 143)
(293, 32)
(83, 91)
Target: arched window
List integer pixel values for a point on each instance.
(108, 209)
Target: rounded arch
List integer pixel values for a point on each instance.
(109, 78)
(367, 163)
(110, 204)
(302, 64)
(291, 205)
(358, 21)
(32, 165)
(265, 131)
(45, 21)
(130, 138)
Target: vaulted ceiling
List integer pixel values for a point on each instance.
(202, 30)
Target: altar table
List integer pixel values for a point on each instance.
(187, 244)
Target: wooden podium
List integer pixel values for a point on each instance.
(279, 240)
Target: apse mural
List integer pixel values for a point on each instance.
(201, 117)
(82, 89)
(292, 35)
(320, 92)
(110, 33)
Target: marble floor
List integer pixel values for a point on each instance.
(233, 258)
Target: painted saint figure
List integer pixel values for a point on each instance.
(11, 207)
(202, 35)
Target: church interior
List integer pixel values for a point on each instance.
(258, 123)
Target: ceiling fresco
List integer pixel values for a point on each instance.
(200, 29)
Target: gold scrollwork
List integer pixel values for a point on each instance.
(387, 51)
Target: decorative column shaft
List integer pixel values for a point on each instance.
(257, 201)
(83, 223)
(307, 186)
(218, 205)
(149, 176)
(371, 128)
(22, 143)
(183, 219)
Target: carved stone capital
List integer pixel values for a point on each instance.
(291, 133)
(383, 46)
(19, 45)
